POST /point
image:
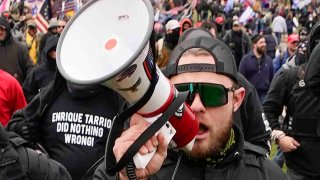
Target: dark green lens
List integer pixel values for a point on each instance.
(212, 95)
(182, 87)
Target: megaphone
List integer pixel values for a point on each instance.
(107, 42)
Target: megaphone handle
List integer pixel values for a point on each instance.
(141, 161)
(148, 133)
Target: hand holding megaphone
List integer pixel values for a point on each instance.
(137, 126)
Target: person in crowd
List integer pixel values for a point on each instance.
(19, 161)
(257, 67)
(32, 38)
(279, 26)
(14, 55)
(271, 42)
(298, 140)
(43, 74)
(52, 30)
(211, 27)
(71, 122)
(219, 151)
(279, 60)
(165, 45)
(238, 41)
(11, 97)
(185, 24)
(61, 24)
(220, 27)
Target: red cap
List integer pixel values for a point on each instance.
(293, 38)
(219, 20)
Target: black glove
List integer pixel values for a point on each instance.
(29, 130)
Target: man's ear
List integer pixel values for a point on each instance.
(238, 98)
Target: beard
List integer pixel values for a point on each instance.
(215, 143)
(261, 50)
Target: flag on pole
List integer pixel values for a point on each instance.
(43, 16)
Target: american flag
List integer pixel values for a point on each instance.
(60, 10)
(43, 16)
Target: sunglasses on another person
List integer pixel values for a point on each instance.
(211, 95)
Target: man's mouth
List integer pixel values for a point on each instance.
(202, 129)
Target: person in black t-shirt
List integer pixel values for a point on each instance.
(70, 121)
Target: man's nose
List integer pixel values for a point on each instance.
(197, 105)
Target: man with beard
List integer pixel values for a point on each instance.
(219, 151)
(257, 67)
(165, 45)
(238, 41)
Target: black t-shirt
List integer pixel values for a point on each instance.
(74, 131)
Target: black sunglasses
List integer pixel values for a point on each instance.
(211, 95)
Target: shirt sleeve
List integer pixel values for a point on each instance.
(17, 99)
(276, 99)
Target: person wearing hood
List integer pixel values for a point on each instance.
(14, 55)
(70, 121)
(298, 136)
(52, 30)
(271, 42)
(185, 24)
(43, 74)
(165, 45)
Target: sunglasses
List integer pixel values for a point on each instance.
(61, 26)
(211, 95)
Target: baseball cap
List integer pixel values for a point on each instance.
(31, 24)
(219, 20)
(293, 38)
(223, 57)
(53, 23)
(172, 24)
(235, 23)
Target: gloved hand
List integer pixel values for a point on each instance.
(29, 130)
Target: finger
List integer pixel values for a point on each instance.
(154, 141)
(133, 132)
(296, 143)
(143, 150)
(120, 148)
(149, 146)
(141, 173)
(163, 146)
(137, 119)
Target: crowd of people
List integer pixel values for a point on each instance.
(262, 69)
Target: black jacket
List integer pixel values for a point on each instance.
(18, 162)
(14, 55)
(244, 162)
(301, 121)
(312, 76)
(250, 117)
(43, 74)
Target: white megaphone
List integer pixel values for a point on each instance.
(107, 42)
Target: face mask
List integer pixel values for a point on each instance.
(173, 37)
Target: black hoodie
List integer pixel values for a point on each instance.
(15, 58)
(41, 75)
